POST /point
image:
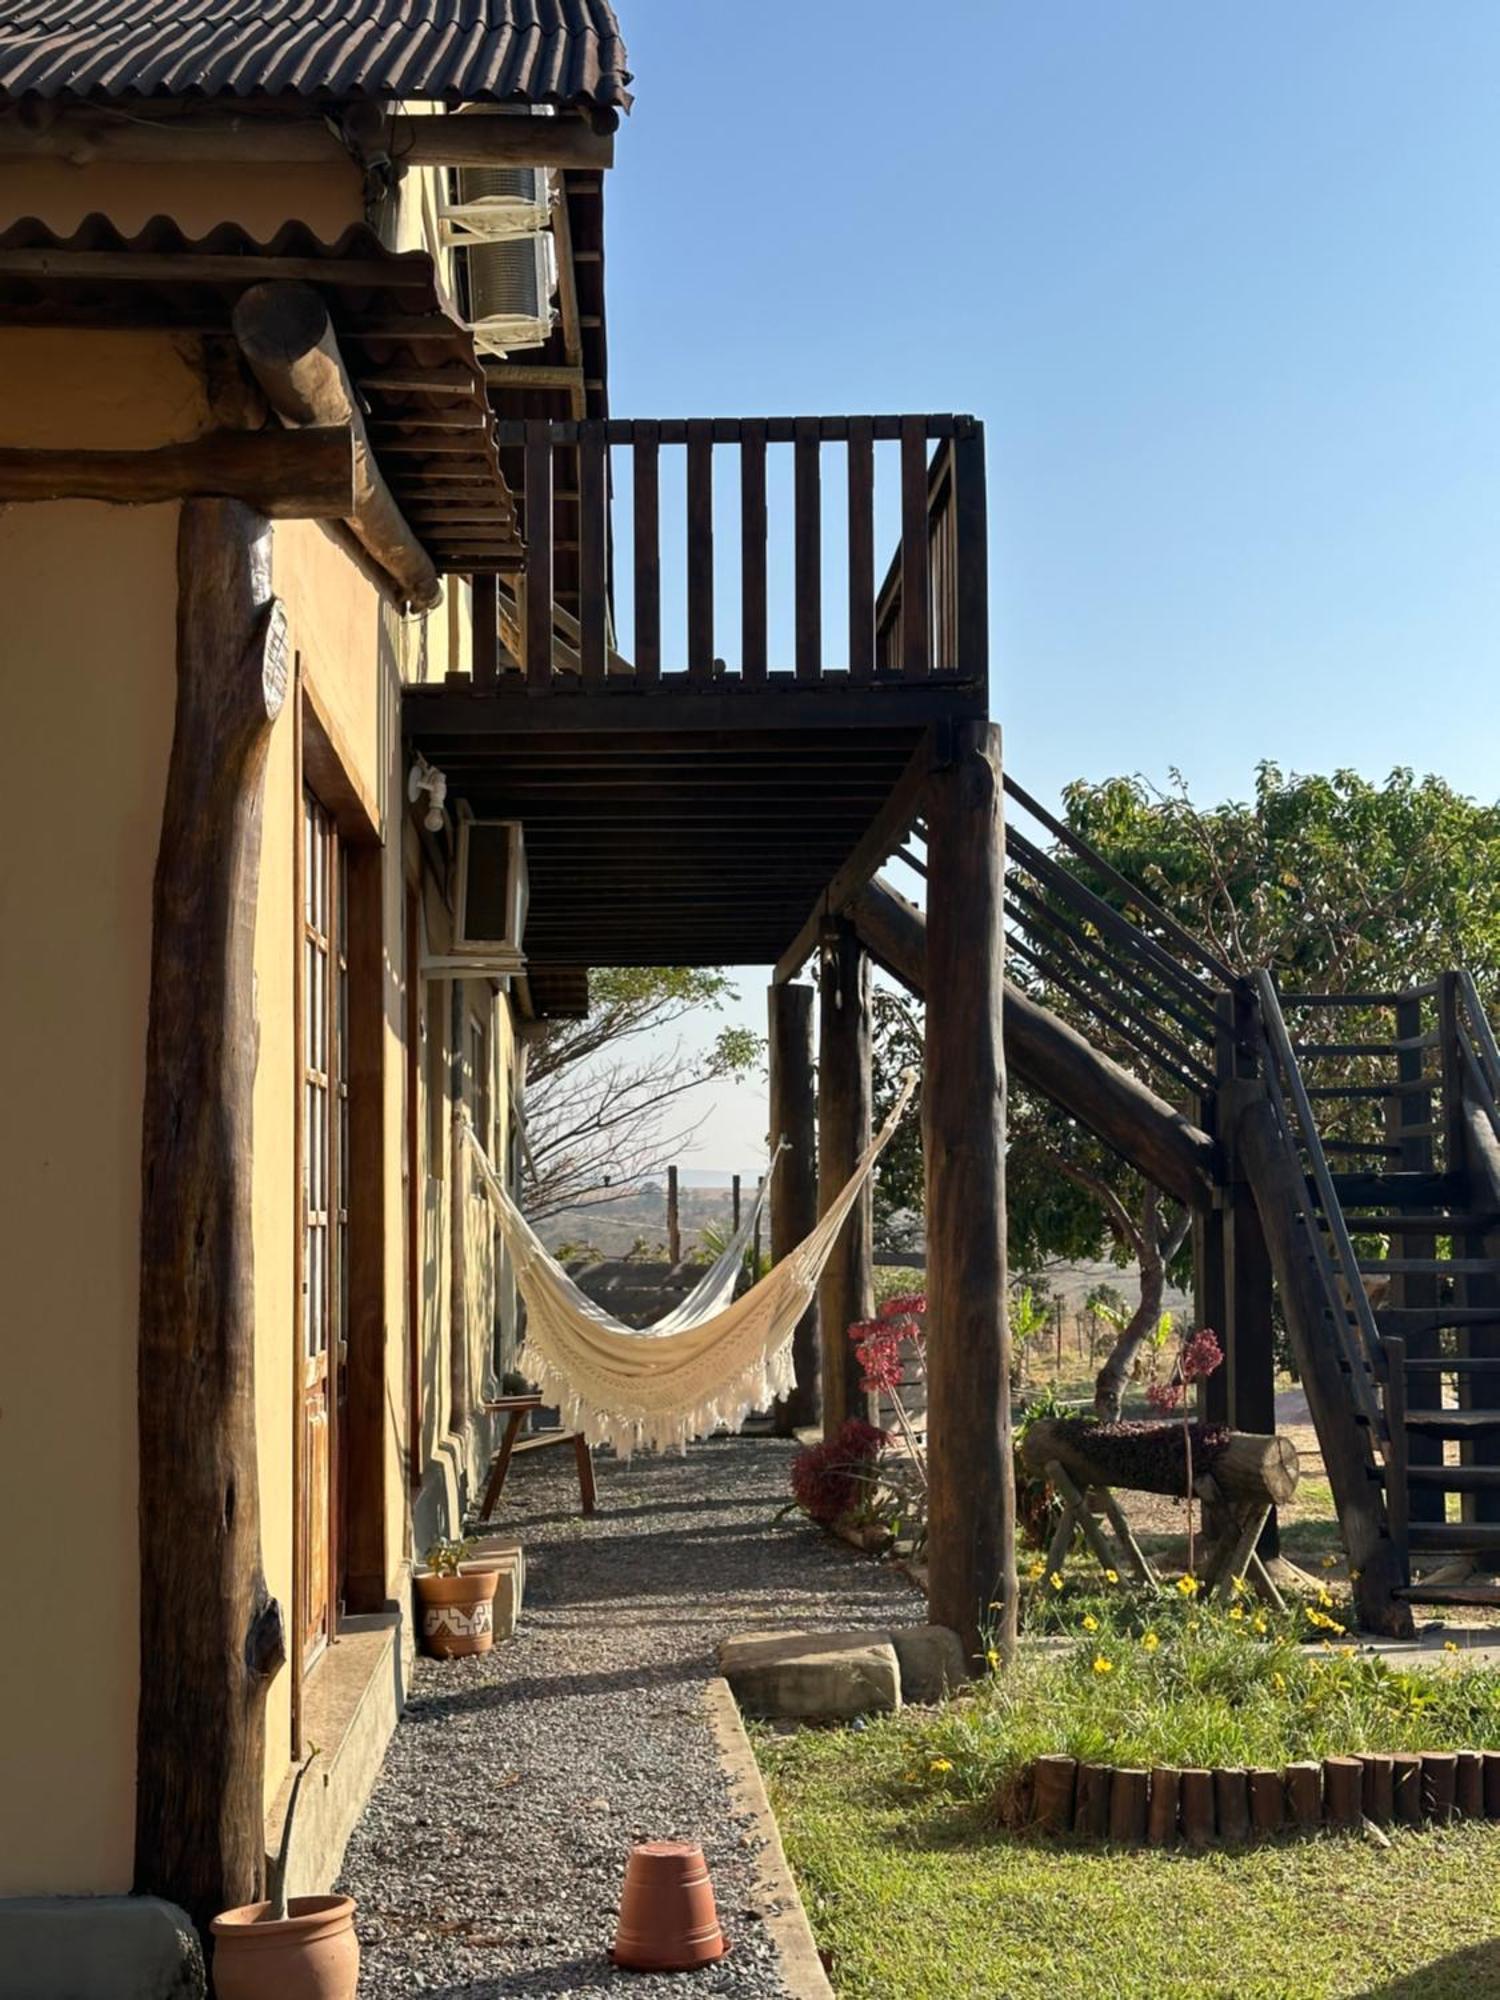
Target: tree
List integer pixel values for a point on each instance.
(599, 1105)
(896, 1047)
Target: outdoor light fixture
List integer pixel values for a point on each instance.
(425, 777)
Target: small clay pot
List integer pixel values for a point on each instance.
(457, 1612)
(668, 1921)
(311, 1954)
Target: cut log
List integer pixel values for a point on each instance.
(305, 475)
(1379, 1790)
(1267, 1801)
(846, 1290)
(1055, 1780)
(1196, 1806)
(211, 1636)
(1492, 1784)
(1129, 1792)
(1148, 1458)
(1232, 1804)
(1343, 1791)
(1468, 1793)
(1166, 1793)
(1056, 1060)
(1406, 1786)
(1439, 1783)
(1304, 1794)
(1091, 1801)
(287, 337)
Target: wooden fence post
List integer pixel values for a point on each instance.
(846, 1291)
(794, 1192)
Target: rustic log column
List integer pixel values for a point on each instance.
(794, 1191)
(846, 1291)
(972, 1496)
(211, 1636)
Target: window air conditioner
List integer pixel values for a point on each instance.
(499, 224)
(493, 890)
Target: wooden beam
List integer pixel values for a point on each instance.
(795, 1189)
(846, 1290)
(88, 135)
(287, 337)
(211, 1636)
(306, 475)
(971, 1537)
(193, 267)
(521, 375)
(884, 835)
(1056, 1060)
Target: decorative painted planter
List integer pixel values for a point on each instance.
(312, 1954)
(1138, 1808)
(457, 1613)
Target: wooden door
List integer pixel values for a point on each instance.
(323, 1345)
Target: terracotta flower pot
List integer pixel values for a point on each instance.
(668, 1921)
(458, 1612)
(312, 1954)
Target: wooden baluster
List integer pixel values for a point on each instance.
(861, 549)
(915, 609)
(753, 551)
(971, 556)
(539, 557)
(484, 599)
(593, 554)
(647, 451)
(700, 532)
(807, 458)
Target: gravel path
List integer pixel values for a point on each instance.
(489, 1858)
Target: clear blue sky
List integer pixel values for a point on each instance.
(1223, 283)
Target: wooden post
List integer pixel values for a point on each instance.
(211, 1636)
(1166, 1787)
(1343, 1791)
(846, 1291)
(1378, 1792)
(1304, 1793)
(794, 1192)
(734, 1201)
(674, 1220)
(1406, 1787)
(972, 1493)
(1267, 1801)
(1196, 1804)
(1247, 1330)
(1054, 1781)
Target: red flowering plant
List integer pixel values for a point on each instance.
(1197, 1358)
(835, 1478)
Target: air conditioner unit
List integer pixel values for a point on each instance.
(493, 891)
(499, 224)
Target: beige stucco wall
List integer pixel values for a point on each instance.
(260, 199)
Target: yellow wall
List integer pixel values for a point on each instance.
(260, 199)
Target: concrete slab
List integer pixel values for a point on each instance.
(800, 1675)
(81, 1947)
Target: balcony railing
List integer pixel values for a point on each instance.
(926, 620)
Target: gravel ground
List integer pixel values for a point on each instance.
(490, 1856)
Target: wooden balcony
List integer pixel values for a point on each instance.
(704, 697)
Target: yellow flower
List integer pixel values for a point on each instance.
(1330, 1562)
(1240, 1586)
(1055, 1580)
(1278, 1681)
(1103, 1666)
(1037, 1571)
(1236, 1612)
(1187, 1586)
(992, 1658)
(1258, 1623)
(1151, 1642)
(1324, 1598)
(1091, 1624)
(941, 1764)
(1450, 1645)
(1111, 1576)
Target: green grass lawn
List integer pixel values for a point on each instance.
(917, 1899)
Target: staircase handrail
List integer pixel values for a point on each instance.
(1480, 1049)
(1363, 1365)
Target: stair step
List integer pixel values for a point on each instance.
(1415, 1222)
(1453, 1423)
(1451, 1364)
(1430, 1319)
(1401, 1190)
(1452, 1537)
(1475, 1594)
(1438, 1267)
(1455, 1478)
(1342, 1049)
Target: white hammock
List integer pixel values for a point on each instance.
(715, 1288)
(637, 1388)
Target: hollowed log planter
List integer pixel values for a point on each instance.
(311, 1954)
(1136, 1808)
(457, 1613)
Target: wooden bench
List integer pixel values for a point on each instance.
(516, 1410)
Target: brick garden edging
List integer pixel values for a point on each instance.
(1140, 1808)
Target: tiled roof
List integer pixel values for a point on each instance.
(560, 52)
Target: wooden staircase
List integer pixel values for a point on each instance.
(1407, 1233)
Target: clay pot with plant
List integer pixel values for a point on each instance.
(287, 1948)
(457, 1602)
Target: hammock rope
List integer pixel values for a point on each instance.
(649, 1388)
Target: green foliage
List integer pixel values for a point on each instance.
(713, 1241)
(896, 1046)
(444, 1556)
